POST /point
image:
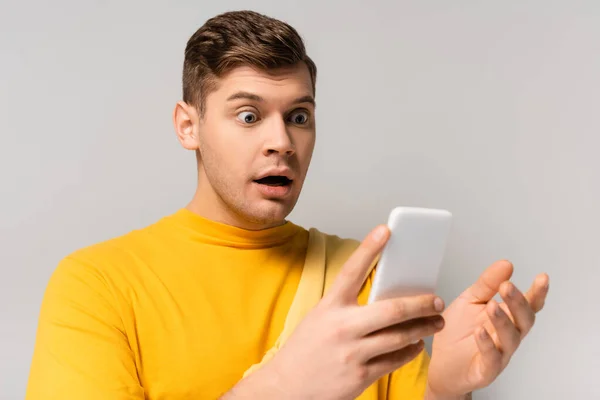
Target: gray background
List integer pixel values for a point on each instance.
(488, 109)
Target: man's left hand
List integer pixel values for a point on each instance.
(480, 335)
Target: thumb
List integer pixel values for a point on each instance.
(489, 281)
(347, 285)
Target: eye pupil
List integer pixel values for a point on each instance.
(249, 118)
(299, 119)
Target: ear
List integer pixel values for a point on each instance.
(187, 125)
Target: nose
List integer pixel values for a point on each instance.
(278, 139)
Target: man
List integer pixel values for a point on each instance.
(226, 299)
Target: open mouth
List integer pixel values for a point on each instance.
(274, 180)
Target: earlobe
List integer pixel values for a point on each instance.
(186, 123)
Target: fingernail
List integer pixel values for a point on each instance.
(439, 323)
(438, 304)
(483, 334)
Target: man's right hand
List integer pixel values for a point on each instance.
(341, 347)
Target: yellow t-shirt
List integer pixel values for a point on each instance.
(177, 310)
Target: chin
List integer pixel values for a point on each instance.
(272, 213)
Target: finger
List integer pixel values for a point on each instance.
(536, 295)
(489, 281)
(385, 313)
(523, 315)
(399, 336)
(508, 335)
(490, 357)
(388, 363)
(350, 279)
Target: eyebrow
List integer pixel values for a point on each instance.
(245, 95)
(305, 99)
(257, 98)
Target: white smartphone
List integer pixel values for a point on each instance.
(410, 262)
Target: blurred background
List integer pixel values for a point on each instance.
(488, 109)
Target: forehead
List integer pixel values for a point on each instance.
(292, 81)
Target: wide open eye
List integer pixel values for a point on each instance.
(299, 117)
(247, 117)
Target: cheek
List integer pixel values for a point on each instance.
(305, 145)
(234, 158)
(221, 147)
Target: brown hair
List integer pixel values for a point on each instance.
(238, 38)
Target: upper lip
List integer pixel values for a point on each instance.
(276, 172)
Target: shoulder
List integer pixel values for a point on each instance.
(112, 259)
(336, 248)
(337, 251)
(339, 248)
(110, 251)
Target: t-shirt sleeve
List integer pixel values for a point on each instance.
(407, 382)
(81, 349)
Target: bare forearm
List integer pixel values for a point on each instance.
(431, 395)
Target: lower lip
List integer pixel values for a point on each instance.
(274, 191)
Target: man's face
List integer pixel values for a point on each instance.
(256, 140)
